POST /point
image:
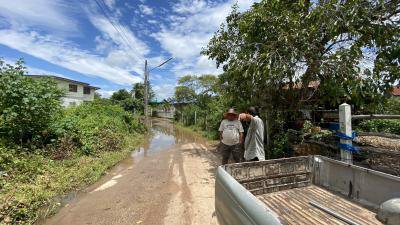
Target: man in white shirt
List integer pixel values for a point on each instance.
(254, 143)
(231, 136)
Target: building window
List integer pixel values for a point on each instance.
(86, 90)
(73, 88)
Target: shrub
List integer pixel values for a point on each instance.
(280, 146)
(64, 148)
(392, 106)
(27, 106)
(386, 126)
(97, 126)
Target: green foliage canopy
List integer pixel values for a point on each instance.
(103, 130)
(200, 98)
(279, 44)
(132, 100)
(27, 105)
(198, 89)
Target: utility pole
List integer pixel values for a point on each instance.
(146, 88)
(146, 85)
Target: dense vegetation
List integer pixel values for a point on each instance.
(27, 106)
(349, 48)
(201, 106)
(289, 56)
(47, 151)
(133, 100)
(385, 126)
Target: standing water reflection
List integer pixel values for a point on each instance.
(162, 136)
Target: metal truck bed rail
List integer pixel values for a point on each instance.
(238, 186)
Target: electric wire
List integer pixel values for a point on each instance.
(124, 38)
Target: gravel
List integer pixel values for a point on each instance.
(381, 142)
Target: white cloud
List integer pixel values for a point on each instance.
(64, 54)
(103, 45)
(146, 9)
(40, 14)
(34, 27)
(105, 94)
(37, 71)
(33, 70)
(115, 54)
(181, 45)
(189, 31)
(189, 6)
(152, 21)
(164, 91)
(30, 22)
(119, 34)
(120, 45)
(110, 3)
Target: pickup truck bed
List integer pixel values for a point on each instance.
(301, 190)
(293, 207)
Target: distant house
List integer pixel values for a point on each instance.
(76, 92)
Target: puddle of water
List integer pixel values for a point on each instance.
(158, 142)
(163, 135)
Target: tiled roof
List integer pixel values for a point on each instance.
(396, 90)
(64, 79)
(311, 84)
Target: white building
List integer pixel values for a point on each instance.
(76, 92)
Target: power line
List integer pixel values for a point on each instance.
(124, 38)
(166, 61)
(108, 17)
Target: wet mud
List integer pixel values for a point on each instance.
(167, 180)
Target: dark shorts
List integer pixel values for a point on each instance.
(227, 150)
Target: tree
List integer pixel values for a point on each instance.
(97, 95)
(278, 44)
(201, 100)
(184, 94)
(27, 106)
(272, 52)
(138, 90)
(196, 89)
(120, 95)
(125, 100)
(132, 100)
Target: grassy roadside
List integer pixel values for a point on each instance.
(212, 136)
(26, 200)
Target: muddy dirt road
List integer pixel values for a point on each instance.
(169, 180)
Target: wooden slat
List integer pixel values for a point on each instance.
(336, 203)
(345, 206)
(292, 206)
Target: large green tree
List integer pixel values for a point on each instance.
(197, 89)
(350, 47)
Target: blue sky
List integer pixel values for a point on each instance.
(74, 39)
